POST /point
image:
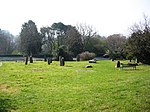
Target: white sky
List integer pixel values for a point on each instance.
(106, 16)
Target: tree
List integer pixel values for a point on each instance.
(60, 31)
(116, 44)
(97, 45)
(87, 32)
(6, 42)
(48, 40)
(139, 42)
(17, 45)
(31, 40)
(73, 41)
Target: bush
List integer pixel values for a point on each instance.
(67, 56)
(87, 55)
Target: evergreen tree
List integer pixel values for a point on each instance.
(31, 40)
(139, 43)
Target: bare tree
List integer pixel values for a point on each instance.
(116, 44)
(141, 26)
(87, 32)
(139, 41)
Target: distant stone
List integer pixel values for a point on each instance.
(118, 64)
(92, 61)
(78, 58)
(62, 61)
(31, 59)
(49, 61)
(88, 66)
(26, 60)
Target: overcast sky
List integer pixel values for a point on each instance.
(106, 16)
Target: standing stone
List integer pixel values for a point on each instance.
(31, 59)
(138, 60)
(118, 64)
(62, 62)
(49, 61)
(78, 58)
(26, 60)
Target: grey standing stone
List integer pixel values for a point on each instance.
(62, 61)
(26, 60)
(49, 61)
(118, 64)
(31, 59)
(78, 58)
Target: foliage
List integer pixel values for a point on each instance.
(6, 42)
(87, 55)
(48, 40)
(31, 40)
(87, 32)
(48, 88)
(116, 45)
(60, 31)
(139, 43)
(97, 45)
(73, 41)
(63, 53)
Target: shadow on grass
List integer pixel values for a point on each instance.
(7, 104)
(131, 70)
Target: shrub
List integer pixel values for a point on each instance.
(67, 56)
(87, 55)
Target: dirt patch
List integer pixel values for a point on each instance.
(40, 77)
(38, 70)
(7, 88)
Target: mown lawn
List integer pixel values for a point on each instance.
(40, 87)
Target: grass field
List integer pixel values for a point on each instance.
(40, 87)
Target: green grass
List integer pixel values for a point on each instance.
(40, 87)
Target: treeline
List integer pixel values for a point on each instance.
(7, 43)
(59, 39)
(69, 41)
